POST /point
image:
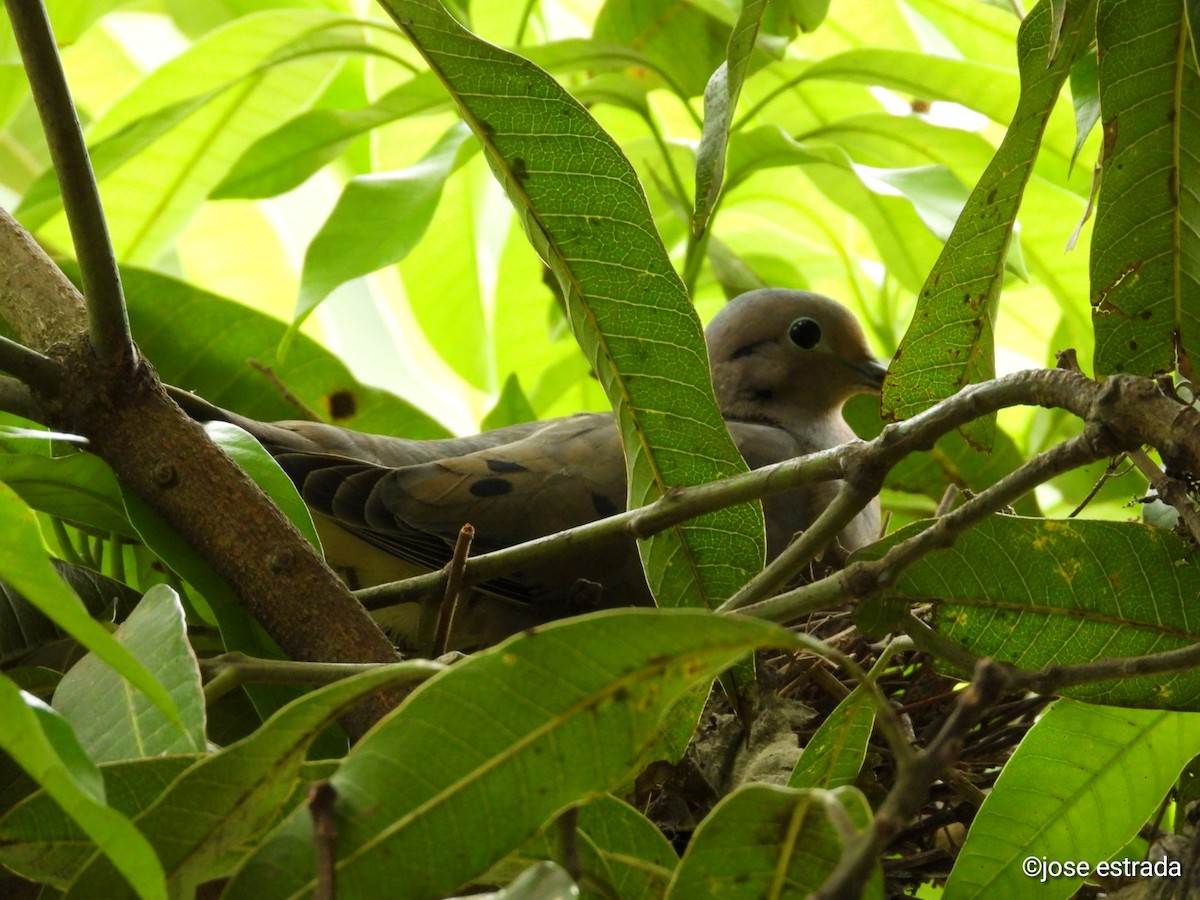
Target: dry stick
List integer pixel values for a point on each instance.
(321, 799)
(913, 780)
(108, 319)
(448, 614)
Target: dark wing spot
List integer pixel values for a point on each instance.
(342, 405)
(491, 487)
(504, 465)
(603, 506)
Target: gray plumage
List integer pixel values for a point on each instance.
(783, 363)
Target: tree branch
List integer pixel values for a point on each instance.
(109, 321)
(864, 578)
(31, 367)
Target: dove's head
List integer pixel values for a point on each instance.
(777, 353)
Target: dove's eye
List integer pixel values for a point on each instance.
(805, 333)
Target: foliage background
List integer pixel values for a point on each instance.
(257, 156)
(849, 161)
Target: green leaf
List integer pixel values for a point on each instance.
(986, 88)
(261, 466)
(1079, 786)
(115, 723)
(512, 407)
(220, 94)
(239, 630)
(43, 841)
(24, 565)
(638, 856)
(24, 628)
(1039, 592)
(834, 754)
(1145, 266)
(283, 159)
(166, 315)
(378, 220)
(1085, 97)
(906, 247)
(769, 841)
(659, 28)
(78, 487)
(580, 698)
(950, 341)
(226, 799)
(586, 215)
(44, 746)
(720, 100)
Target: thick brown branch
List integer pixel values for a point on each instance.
(166, 459)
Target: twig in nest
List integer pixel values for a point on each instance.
(455, 570)
(321, 797)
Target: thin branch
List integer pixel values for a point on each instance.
(31, 367)
(322, 797)
(109, 321)
(864, 578)
(678, 505)
(231, 670)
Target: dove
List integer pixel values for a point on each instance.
(783, 364)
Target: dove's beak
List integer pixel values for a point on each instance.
(872, 372)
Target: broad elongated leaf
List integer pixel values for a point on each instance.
(720, 100)
(239, 630)
(904, 244)
(43, 842)
(1080, 785)
(115, 723)
(659, 28)
(281, 160)
(378, 219)
(78, 487)
(1036, 592)
(166, 314)
(835, 753)
(586, 215)
(950, 341)
(1146, 244)
(639, 857)
(24, 565)
(220, 95)
(581, 698)
(43, 744)
(226, 799)
(769, 841)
